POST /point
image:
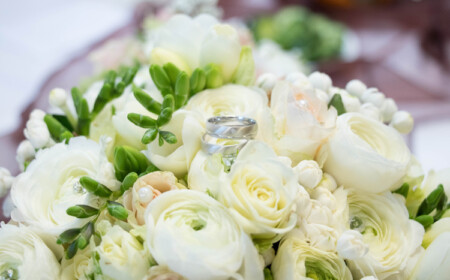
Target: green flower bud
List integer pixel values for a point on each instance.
(146, 100)
(425, 220)
(141, 120)
(149, 135)
(117, 210)
(127, 160)
(164, 117)
(161, 80)
(68, 236)
(172, 71)
(214, 78)
(82, 211)
(181, 90)
(95, 187)
(197, 81)
(56, 129)
(128, 181)
(168, 136)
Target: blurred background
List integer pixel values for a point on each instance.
(402, 47)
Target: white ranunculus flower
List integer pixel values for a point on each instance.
(50, 185)
(23, 255)
(206, 173)
(302, 120)
(234, 100)
(366, 155)
(188, 128)
(260, 192)
(146, 189)
(393, 238)
(350, 245)
(122, 256)
(308, 173)
(190, 43)
(195, 236)
(434, 263)
(296, 259)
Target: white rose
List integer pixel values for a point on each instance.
(25, 153)
(308, 173)
(79, 266)
(260, 192)
(50, 185)
(434, 263)
(392, 237)
(190, 43)
(188, 128)
(121, 255)
(146, 189)
(36, 130)
(366, 155)
(6, 181)
(23, 255)
(195, 236)
(296, 259)
(302, 120)
(350, 245)
(206, 173)
(234, 100)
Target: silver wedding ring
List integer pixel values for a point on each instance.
(232, 127)
(211, 144)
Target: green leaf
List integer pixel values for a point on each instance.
(85, 236)
(68, 236)
(160, 140)
(181, 90)
(72, 250)
(64, 121)
(95, 187)
(164, 117)
(129, 181)
(431, 201)
(168, 136)
(117, 210)
(425, 220)
(403, 190)
(168, 102)
(141, 120)
(56, 129)
(82, 211)
(127, 78)
(245, 72)
(127, 160)
(336, 102)
(197, 81)
(146, 100)
(172, 71)
(161, 80)
(106, 93)
(149, 135)
(84, 120)
(213, 76)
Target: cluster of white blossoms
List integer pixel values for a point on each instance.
(118, 185)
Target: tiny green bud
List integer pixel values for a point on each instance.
(146, 100)
(95, 187)
(82, 211)
(117, 210)
(431, 201)
(164, 117)
(127, 160)
(181, 90)
(172, 71)
(168, 136)
(72, 250)
(149, 135)
(68, 236)
(425, 220)
(160, 78)
(403, 190)
(336, 102)
(168, 102)
(85, 236)
(141, 120)
(56, 129)
(213, 76)
(160, 140)
(197, 81)
(129, 181)
(267, 274)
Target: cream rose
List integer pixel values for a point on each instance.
(23, 255)
(50, 185)
(196, 237)
(122, 256)
(260, 192)
(366, 155)
(146, 189)
(302, 120)
(79, 266)
(393, 238)
(296, 259)
(188, 128)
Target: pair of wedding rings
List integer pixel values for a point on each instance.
(228, 134)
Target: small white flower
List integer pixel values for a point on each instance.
(25, 153)
(308, 173)
(37, 114)
(328, 182)
(351, 245)
(6, 181)
(372, 95)
(36, 130)
(356, 88)
(297, 77)
(320, 80)
(403, 122)
(388, 109)
(57, 97)
(267, 82)
(351, 103)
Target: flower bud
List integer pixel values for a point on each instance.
(323, 96)
(6, 181)
(267, 82)
(356, 88)
(296, 77)
(308, 173)
(388, 109)
(37, 114)
(57, 97)
(36, 131)
(328, 182)
(372, 95)
(351, 245)
(403, 122)
(351, 103)
(320, 80)
(371, 111)
(25, 152)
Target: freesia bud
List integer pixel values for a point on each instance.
(356, 88)
(328, 182)
(295, 77)
(388, 109)
(58, 97)
(320, 80)
(6, 181)
(267, 82)
(36, 130)
(403, 122)
(25, 152)
(371, 111)
(351, 245)
(351, 103)
(308, 173)
(37, 114)
(372, 95)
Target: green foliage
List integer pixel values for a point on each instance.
(403, 190)
(82, 211)
(57, 130)
(127, 160)
(336, 102)
(95, 187)
(117, 210)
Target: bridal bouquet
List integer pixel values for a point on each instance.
(198, 166)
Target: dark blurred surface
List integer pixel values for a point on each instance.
(404, 51)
